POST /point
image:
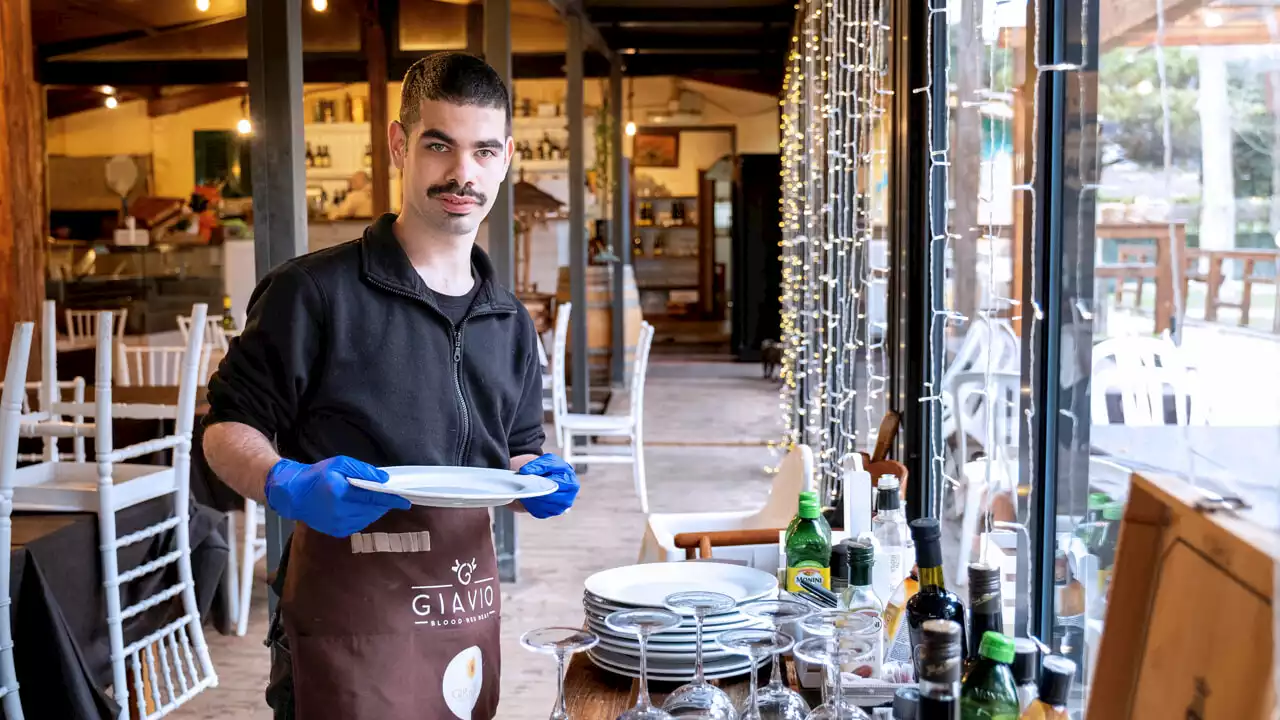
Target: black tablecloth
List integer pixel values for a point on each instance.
(61, 644)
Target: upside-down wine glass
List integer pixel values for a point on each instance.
(757, 645)
(561, 642)
(700, 698)
(848, 636)
(643, 623)
(819, 651)
(777, 701)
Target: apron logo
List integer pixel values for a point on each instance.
(469, 601)
(464, 570)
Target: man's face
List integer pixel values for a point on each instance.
(454, 158)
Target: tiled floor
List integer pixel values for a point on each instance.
(690, 409)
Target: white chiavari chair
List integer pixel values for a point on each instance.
(559, 381)
(175, 657)
(82, 325)
(629, 426)
(11, 417)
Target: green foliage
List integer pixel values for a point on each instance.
(1130, 106)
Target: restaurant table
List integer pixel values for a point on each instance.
(61, 644)
(1222, 459)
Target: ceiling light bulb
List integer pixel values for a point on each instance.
(202, 5)
(631, 129)
(107, 90)
(111, 102)
(244, 127)
(320, 5)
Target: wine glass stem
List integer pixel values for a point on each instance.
(642, 700)
(839, 681)
(752, 710)
(698, 615)
(561, 712)
(775, 676)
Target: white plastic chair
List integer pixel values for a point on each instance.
(245, 552)
(11, 416)
(986, 345)
(82, 325)
(109, 485)
(795, 474)
(630, 426)
(998, 407)
(1144, 371)
(559, 383)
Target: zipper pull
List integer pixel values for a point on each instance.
(457, 345)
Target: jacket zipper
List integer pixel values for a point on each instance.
(462, 400)
(457, 364)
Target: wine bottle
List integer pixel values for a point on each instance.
(933, 601)
(311, 158)
(938, 669)
(988, 692)
(906, 703)
(228, 322)
(1055, 689)
(986, 612)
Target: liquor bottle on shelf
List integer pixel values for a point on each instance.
(368, 155)
(808, 546)
(906, 703)
(933, 601)
(1026, 671)
(938, 671)
(890, 528)
(1055, 688)
(986, 612)
(988, 692)
(311, 158)
(326, 161)
(228, 322)
(348, 109)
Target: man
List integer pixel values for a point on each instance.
(358, 202)
(396, 349)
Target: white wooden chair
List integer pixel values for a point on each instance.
(629, 426)
(155, 365)
(82, 325)
(548, 380)
(559, 382)
(1144, 371)
(11, 416)
(77, 395)
(110, 484)
(216, 340)
(795, 474)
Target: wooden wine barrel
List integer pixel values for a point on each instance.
(600, 316)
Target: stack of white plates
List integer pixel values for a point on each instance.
(671, 653)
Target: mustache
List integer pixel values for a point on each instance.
(453, 188)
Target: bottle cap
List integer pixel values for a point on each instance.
(1055, 680)
(861, 553)
(1026, 661)
(887, 482)
(1098, 500)
(996, 647)
(939, 652)
(840, 560)
(1113, 512)
(906, 703)
(809, 508)
(925, 530)
(984, 583)
(887, 493)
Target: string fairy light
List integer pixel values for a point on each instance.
(832, 145)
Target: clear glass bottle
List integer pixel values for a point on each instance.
(1055, 689)
(860, 596)
(897, 551)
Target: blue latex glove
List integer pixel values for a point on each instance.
(320, 496)
(555, 468)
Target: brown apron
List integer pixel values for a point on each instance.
(399, 622)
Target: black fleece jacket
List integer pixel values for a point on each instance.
(345, 352)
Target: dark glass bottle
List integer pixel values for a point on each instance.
(938, 669)
(933, 601)
(1026, 670)
(1055, 690)
(906, 703)
(988, 692)
(986, 613)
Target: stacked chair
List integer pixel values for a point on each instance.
(174, 658)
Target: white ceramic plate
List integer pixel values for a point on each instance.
(649, 584)
(605, 607)
(663, 677)
(458, 487)
(671, 637)
(679, 673)
(683, 652)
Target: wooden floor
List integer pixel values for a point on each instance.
(708, 425)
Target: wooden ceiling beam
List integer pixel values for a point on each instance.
(729, 13)
(591, 34)
(49, 51)
(744, 42)
(195, 97)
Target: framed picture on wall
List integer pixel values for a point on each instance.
(656, 148)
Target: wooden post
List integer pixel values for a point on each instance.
(279, 198)
(22, 180)
(475, 29)
(373, 41)
(580, 397)
(497, 52)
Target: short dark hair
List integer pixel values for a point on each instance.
(453, 77)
